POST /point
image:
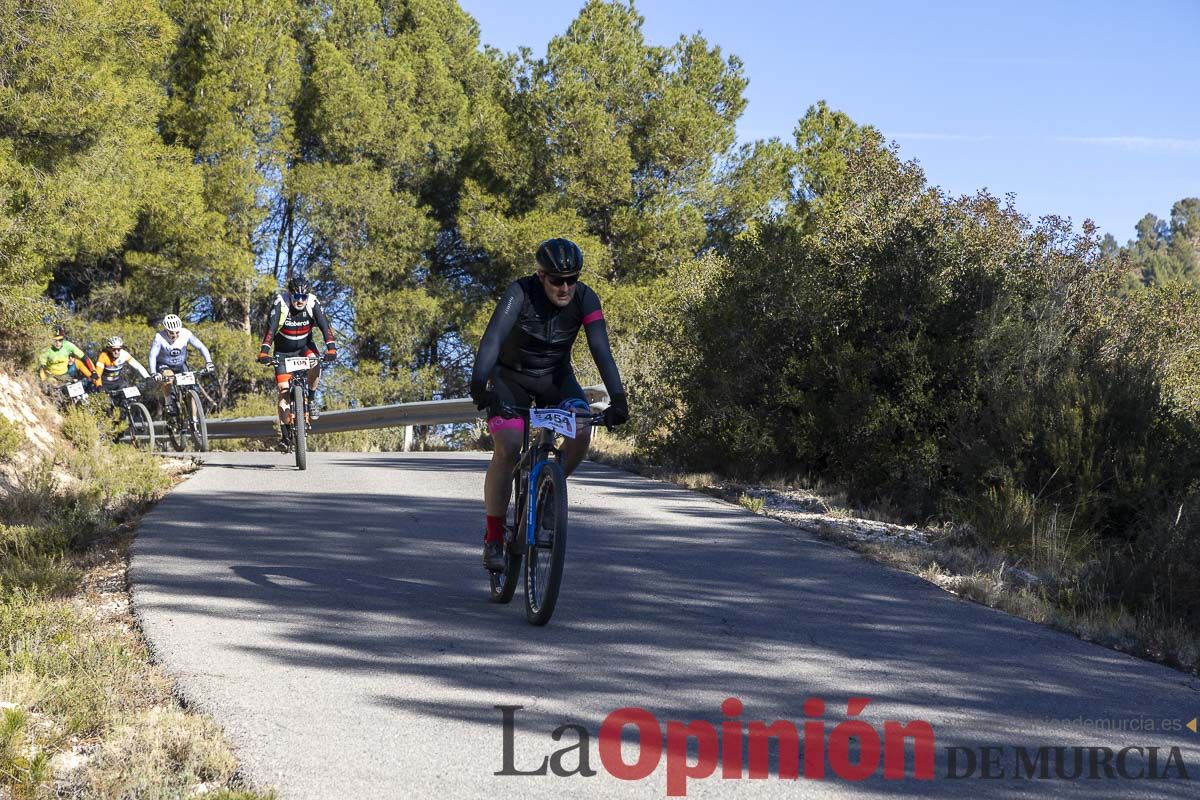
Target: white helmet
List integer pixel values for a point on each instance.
(114, 343)
(173, 323)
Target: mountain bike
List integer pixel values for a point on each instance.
(184, 413)
(538, 534)
(139, 427)
(297, 421)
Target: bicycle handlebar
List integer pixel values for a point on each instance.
(511, 412)
(320, 365)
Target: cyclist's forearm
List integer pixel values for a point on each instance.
(597, 337)
(133, 362)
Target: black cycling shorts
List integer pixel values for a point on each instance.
(309, 349)
(545, 391)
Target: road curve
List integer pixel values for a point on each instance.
(335, 622)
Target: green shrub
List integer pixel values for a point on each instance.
(944, 357)
(89, 426)
(20, 768)
(40, 573)
(752, 504)
(11, 439)
(35, 496)
(116, 478)
(23, 320)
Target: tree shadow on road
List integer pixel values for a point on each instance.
(671, 601)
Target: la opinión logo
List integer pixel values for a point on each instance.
(854, 749)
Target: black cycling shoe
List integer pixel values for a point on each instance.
(283, 445)
(493, 556)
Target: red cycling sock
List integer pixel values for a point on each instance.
(495, 529)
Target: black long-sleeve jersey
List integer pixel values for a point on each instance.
(529, 334)
(290, 330)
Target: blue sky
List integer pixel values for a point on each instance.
(1083, 109)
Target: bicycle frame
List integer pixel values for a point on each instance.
(533, 459)
(176, 391)
(299, 375)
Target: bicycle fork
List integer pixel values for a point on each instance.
(541, 458)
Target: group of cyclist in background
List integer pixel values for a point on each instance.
(64, 363)
(524, 359)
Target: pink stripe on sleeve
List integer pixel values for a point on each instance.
(593, 317)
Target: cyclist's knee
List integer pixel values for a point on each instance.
(507, 444)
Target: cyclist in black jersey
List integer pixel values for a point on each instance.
(290, 333)
(525, 355)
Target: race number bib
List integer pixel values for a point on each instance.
(131, 391)
(75, 389)
(297, 364)
(185, 379)
(555, 419)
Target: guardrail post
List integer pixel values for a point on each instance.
(408, 438)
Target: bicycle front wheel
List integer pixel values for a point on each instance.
(141, 427)
(544, 561)
(300, 423)
(197, 424)
(174, 428)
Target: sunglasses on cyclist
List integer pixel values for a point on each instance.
(560, 280)
(298, 297)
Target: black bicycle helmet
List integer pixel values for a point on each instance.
(559, 257)
(299, 285)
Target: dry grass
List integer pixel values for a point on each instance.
(86, 713)
(161, 751)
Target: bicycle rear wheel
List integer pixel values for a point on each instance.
(544, 561)
(299, 423)
(193, 411)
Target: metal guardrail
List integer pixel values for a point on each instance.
(426, 412)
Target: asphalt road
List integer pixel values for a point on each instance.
(336, 623)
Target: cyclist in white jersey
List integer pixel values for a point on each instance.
(168, 354)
